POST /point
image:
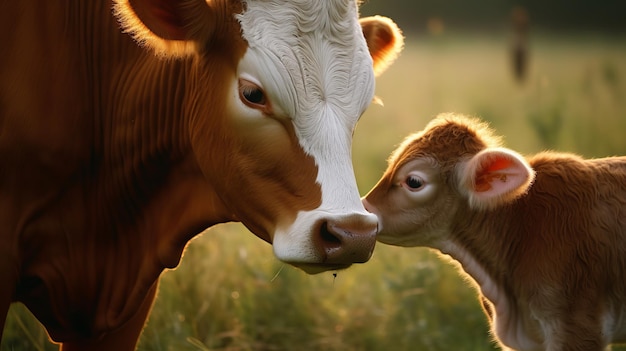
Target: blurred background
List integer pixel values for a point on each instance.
(554, 15)
(544, 74)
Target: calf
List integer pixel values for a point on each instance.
(542, 236)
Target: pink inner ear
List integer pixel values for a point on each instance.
(498, 164)
(495, 176)
(484, 178)
(481, 184)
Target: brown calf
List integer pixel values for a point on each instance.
(542, 236)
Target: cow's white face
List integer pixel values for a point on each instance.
(304, 77)
(312, 63)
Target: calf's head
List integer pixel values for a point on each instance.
(451, 168)
(272, 99)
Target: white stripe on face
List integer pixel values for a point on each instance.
(315, 67)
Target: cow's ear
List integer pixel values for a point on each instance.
(384, 40)
(493, 177)
(170, 28)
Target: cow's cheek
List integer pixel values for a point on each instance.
(273, 168)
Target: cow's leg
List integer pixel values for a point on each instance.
(123, 339)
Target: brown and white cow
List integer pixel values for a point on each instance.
(543, 237)
(114, 155)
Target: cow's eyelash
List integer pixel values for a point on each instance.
(253, 96)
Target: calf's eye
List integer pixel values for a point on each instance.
(414, 182)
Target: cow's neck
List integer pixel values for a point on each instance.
(111, 130)
(135, 205)
(141, 140)
(112, 192)
(149, 157)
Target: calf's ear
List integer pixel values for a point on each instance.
(384, 41)
(170, 28)
(493, 177)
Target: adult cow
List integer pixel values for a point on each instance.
(542, 236)
(112, 158)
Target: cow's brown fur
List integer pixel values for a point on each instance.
(112, 159)
(99, 168)
(550, 260)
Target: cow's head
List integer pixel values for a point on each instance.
(276, 90)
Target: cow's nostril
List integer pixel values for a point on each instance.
(347, 239)
(329, 239)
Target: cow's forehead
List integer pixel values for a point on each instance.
(312, 60)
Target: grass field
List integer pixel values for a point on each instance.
(230, 293)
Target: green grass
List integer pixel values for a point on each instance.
(230, 293)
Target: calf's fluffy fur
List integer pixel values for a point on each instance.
(542, 236)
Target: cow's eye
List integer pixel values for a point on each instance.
(414, 182)
(252, 95)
